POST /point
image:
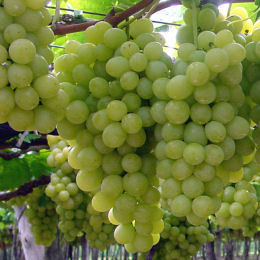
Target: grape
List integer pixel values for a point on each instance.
(179, 88)
(153, 51)
(30, 19)
(15, 7)
(13, 32)
(20, 76)
(140, 26)
(114, 37)
(138, 62)
(206, 39)
(180, 206)
(217, 59)
(198, 73)
(206, 19)
(117, 66)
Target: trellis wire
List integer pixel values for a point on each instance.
(101, 14)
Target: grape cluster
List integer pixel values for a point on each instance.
(112, 125)
(42, 216)
(206, 133)
(27, 89)
(239, 204)
(252, 225)
(181, 240)
(74, 209)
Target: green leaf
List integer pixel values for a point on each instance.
(30, 137)
(162, 28)
(13, 173)
(43, 200)
(37, 163)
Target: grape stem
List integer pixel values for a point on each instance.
(25, 189)
(56, 17)
(249, 17)
(194, 23)
(153, 8)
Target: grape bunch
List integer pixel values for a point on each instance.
(239, 204)
(181, 240)
(73, 206)
(27, 89)
(42, 217)
(112, 125)
(206, 135)
(252, 225)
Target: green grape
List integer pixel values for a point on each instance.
(117, 66)
(203, 206)
(45, 35)
(114, 37)
(184, 34)
(200, 113)
(159, 88)
(206, 40)
(113, 135)
(26, 98)
(135, 184)
(140, 26)
(13, 32)
(15, 7)
(82, 74)
(20, 76)
(39, 66)
(205, 94)
(30, 19)
(194, 133)
(77, 112)
(138, 62)
(180, 206)
(238, 128)
(129, 80)
(6, 19)
(20, 119)
(217, 59)
(205, 172)
(131, 163)
(181, 169)
(144, 88)
(206, 19)
(179, 88)
(153, 51)
(194, 153)
(128, 49)
(124, 233)
(46, 86)
(177, 112)
(156, 69)
(198, 73)
(215, 131)
(7, 99)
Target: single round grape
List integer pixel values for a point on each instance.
(177, 112)
(198, 73)
(113, 135)
(26, 98)
(217, 59)
(215, 131)
(179, 88)
(192, 187)
(180, 206)
(203, 206)
(194, 153)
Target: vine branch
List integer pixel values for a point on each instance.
(114, 20)
(9, 155)
(25, 189)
